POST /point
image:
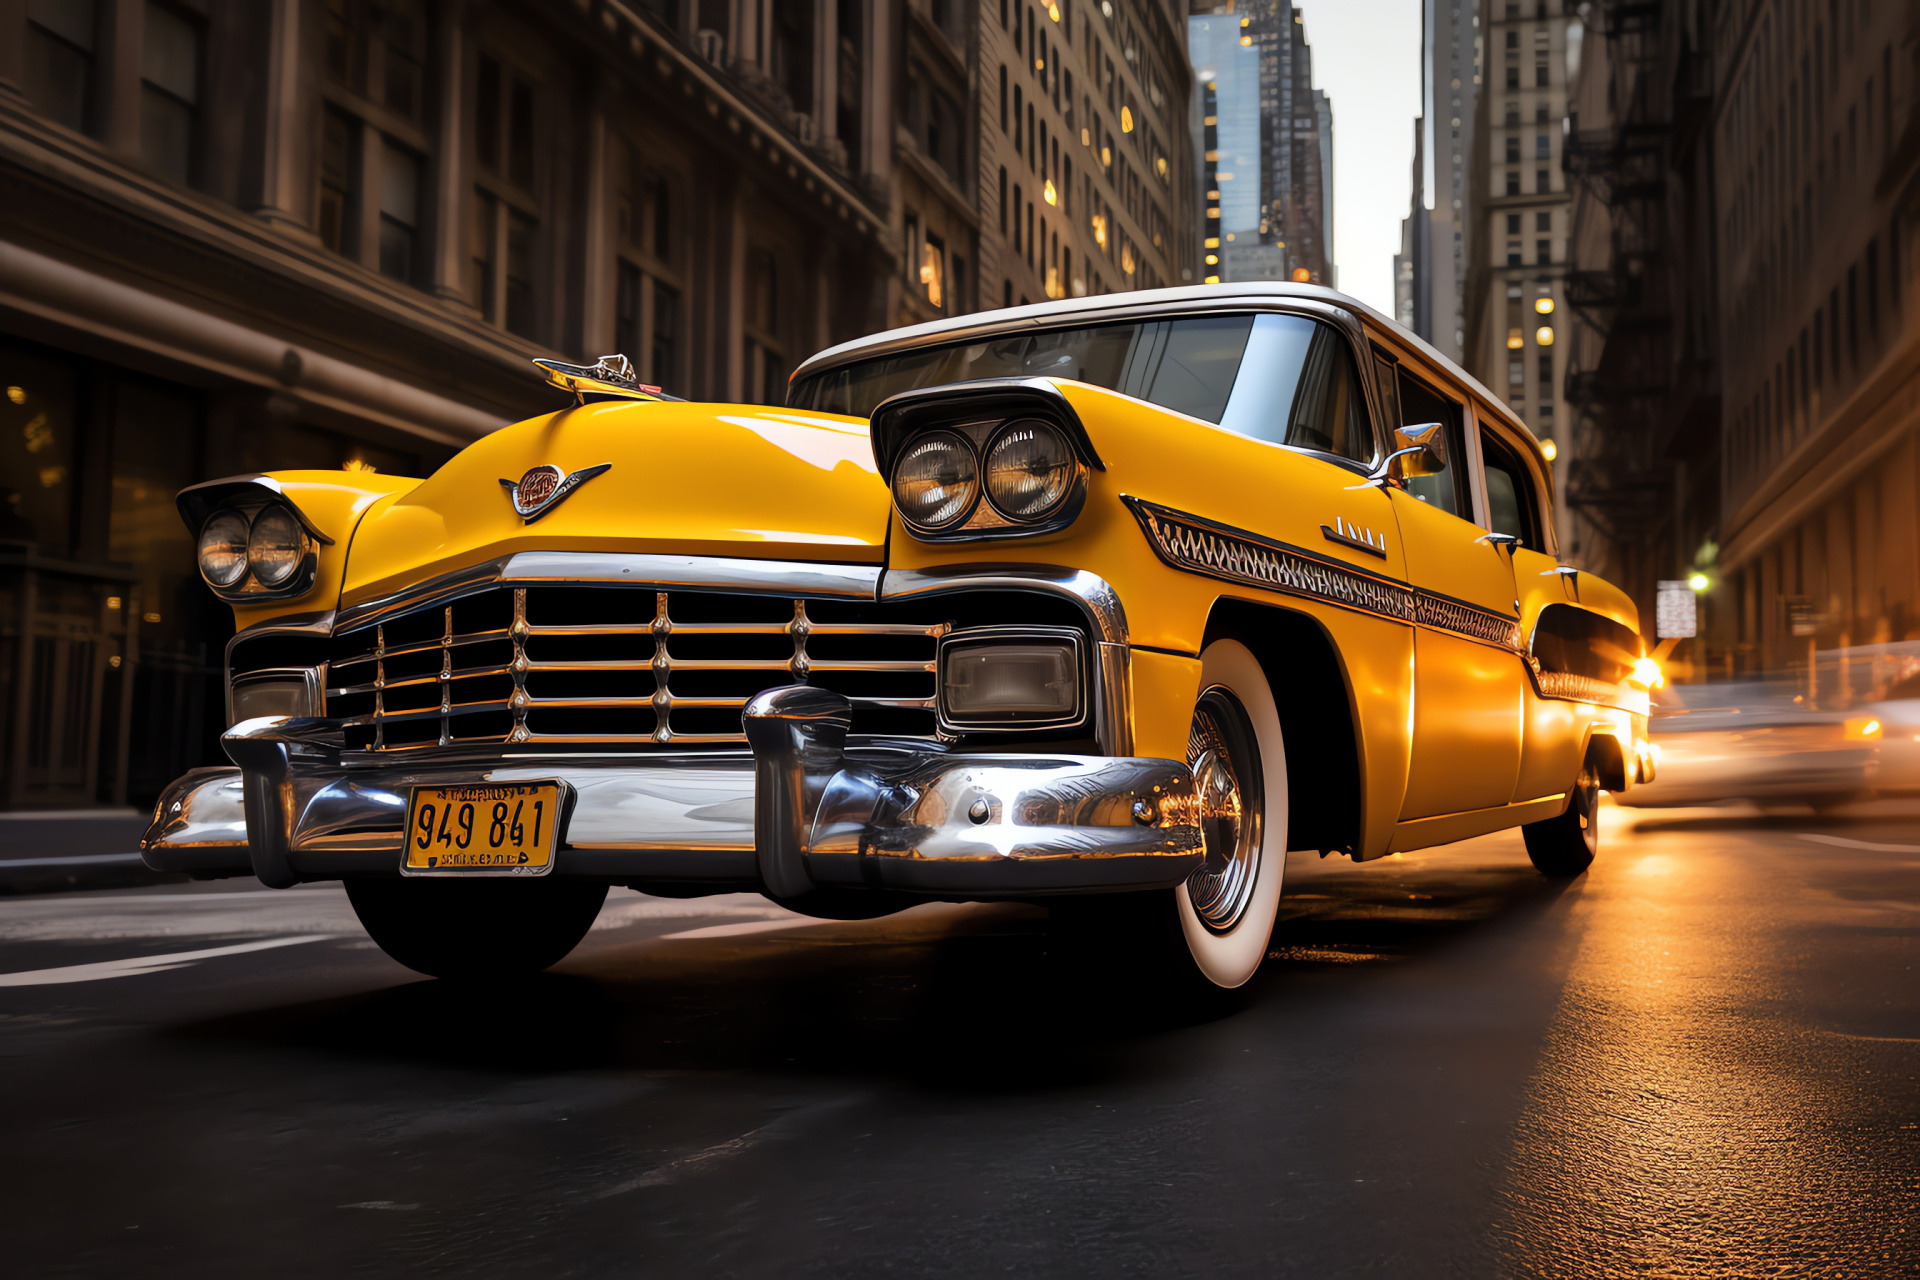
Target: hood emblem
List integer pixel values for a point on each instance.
(544, 488)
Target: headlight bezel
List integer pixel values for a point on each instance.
(985, 519)
(250, 585)
(979, 410)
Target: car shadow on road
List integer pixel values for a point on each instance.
(974, 997)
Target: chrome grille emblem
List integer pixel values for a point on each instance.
(543, 488)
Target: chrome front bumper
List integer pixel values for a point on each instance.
(802, 812)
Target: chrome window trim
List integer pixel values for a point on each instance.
(1344, 321)
(1071, 635)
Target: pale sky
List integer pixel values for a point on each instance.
(1366, 57)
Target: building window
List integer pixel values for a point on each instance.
(1542, 147)
(1516, 373)
(519, 309)
(1543, 251)
(1541, 222)
(764, 365)
(1513, 224)
(1513, 77)
(1513, 151)
(399, 210)
(1546, 373)
(933, 256)
(1513, 182)
(1541, 182)
(626, 309)
(665, 366)
(169, 93)
(339, 181)
(60, 60)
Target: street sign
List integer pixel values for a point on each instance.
(1675, 613)
(1801, 620)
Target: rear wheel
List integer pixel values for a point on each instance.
(1564, 846)
(491, 927)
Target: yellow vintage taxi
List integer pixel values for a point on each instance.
(1108, 602)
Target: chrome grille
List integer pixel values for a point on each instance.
(580, 665)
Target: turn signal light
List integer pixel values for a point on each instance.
(1648, 675)
(1862, 729)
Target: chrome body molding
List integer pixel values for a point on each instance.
(1568, 686)
(694, 573)
(1112, 679)
(683, 573)
(317, 626)
(1220, 551)
(803, 811)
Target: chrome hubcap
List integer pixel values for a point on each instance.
(1225, 762)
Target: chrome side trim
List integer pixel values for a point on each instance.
(1214, 550)
(696, 573)
(318, 625)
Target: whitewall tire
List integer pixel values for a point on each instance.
(1227, 908)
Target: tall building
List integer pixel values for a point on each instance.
(1517, 219)
(242, 235)
(1084, 162)
(1748, 359)
(1263, 136)
(1436, 233)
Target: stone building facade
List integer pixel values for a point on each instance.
(248, 234)
(1745, 285)
(1516, 219)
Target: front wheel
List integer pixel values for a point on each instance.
(1239, 760)
(491, 927)
(1564, 846)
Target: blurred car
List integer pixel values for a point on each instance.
(1847, 730)
(1134, 592)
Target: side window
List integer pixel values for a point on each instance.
(1419, 404)
(1297, 386)
(1329, 408)
(1511, 502)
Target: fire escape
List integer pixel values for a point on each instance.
(1645, 403)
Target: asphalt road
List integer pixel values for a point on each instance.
(1703, 1058)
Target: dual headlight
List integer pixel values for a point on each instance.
(272, 547)
(1026, 471)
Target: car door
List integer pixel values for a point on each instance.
(1469, 684)
(1517, 507)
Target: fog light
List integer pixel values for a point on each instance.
(1010, 680)
(282, 693)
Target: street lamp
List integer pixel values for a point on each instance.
(1699, 582)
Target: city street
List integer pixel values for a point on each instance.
(1703, 1058)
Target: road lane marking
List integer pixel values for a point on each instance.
(1841, 842)
(746, 927)
(133, 965)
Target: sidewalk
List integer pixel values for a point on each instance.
(46, 850)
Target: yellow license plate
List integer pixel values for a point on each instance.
(488, 829)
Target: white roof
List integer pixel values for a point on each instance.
(1185, 297)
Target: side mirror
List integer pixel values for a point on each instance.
(1419, 451)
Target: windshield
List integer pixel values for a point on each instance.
(1286, 379)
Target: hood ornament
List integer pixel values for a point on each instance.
(543, 488)
(609, 378)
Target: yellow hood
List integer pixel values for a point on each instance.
(696, 479)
